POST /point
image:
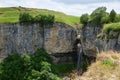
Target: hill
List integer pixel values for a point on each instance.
(11, 15)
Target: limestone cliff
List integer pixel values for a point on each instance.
(112, 41)
(106, 42)
(57, 38)
(22, 38)
(91, 44)
(60, 38)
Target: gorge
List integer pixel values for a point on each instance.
(58, 38)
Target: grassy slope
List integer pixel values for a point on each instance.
(11, 15)
(106, 67)
(111, 26)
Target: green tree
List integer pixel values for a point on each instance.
(45, 19)
(25, 18)
(12, 68)
(112, 15)
(28, 67)
(117, 18)
(97, 15)
(105, 19)
(84, 18)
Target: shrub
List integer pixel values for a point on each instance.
(12, 68)
(42, 19)
(39, 56)
(112, 15)
(117, 18)
(45, 19)
(105, 19)
(84, 18)
(111, 27)
(97, 15)
(25, 18)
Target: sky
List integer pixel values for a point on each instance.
(70, 7)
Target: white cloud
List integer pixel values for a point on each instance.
(71, 9)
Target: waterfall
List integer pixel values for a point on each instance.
(79, 52)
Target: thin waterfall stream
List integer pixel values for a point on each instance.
(79, 53)
(79, 59)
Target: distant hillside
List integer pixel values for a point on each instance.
(11, 15)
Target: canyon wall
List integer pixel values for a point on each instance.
(94, 40)
(112, 41)
(26, 38)
(56, 39)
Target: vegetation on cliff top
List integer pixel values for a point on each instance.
(100, 16)
(111, 27)
(42, 19)
(11, 15)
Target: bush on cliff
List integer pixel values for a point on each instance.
(45, 19)
(105, 19)
(84, 19)
(28, 67)
(111, 27)
(42, 19)
(112, 15)
(25, 18)
(117, 18)
(100, 16)
(97, 15)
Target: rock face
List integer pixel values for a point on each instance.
(112, 41)
(20, 38)
(60, 38)
(57, 38)
(89, 39)
(91, 42)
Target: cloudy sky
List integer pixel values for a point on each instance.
(71, 7)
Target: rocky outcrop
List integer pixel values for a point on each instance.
(105, 41)
(112, 40)
(91, 44)
(22, 38)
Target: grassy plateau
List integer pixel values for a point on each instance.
(11, 15)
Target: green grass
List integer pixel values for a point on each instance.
(11, 15)
(111, 27)
(109, 62)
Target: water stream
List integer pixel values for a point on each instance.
(79, 61)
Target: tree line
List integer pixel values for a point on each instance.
(100, 16)
(42, 19)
